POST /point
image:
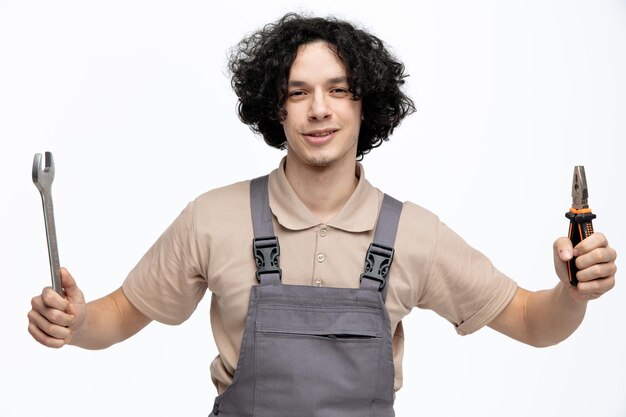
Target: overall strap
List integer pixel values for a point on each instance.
(265, 247)
(380, 253)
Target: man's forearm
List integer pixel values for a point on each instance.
(551, 316)
(542, 318)
(109, 320)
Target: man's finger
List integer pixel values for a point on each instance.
(53, 300)
(51, 329)
(596, 287)
(597, 256)
(596, 240)
(53, 315)
(563, 249)
(43, 338)
(57, 317)
(597, 271)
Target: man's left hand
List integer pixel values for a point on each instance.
(595, 261)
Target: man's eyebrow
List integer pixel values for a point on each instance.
(334, 80)
(338, 80)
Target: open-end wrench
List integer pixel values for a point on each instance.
(43, 175)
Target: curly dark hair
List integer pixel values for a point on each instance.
(261, 62)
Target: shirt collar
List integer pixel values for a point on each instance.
(359, 214)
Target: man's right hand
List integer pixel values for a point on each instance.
(54, 320)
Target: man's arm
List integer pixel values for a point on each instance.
(545, 318)
(55, 321)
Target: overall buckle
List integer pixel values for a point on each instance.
(266, 254)
(377, 263)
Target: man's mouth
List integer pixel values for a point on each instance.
(320, 133)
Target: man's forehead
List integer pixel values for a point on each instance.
(312, 58)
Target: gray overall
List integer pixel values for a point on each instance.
(309, 351)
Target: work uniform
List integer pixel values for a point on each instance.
(314, 352)
(209, 246)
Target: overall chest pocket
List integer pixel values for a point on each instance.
(316, 360)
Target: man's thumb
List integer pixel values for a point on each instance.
(72, 292)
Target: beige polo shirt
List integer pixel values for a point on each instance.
(209, 246)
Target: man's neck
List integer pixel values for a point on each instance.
(324, 190)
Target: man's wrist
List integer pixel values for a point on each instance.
(570, 296)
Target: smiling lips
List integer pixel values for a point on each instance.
(319, 136)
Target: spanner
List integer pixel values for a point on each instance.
(43, 177)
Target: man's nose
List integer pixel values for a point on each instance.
(320, 108)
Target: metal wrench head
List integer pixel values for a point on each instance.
(43, 174)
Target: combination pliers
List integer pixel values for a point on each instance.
(580, 217)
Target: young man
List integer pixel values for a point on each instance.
(301, 325)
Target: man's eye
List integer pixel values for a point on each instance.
(340, 90)
(296, 93)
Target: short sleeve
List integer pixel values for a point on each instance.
(463, 286)
(167, 284)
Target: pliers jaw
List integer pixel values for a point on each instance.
(580, 193)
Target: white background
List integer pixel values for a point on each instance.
(133, 99)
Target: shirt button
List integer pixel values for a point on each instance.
(323, 232)
(318, 283)
(321, 257)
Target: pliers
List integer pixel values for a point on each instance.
(580, 217)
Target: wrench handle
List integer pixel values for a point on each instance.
(51, 235)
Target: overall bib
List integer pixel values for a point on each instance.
(309, 351)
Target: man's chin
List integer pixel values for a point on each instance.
(320, 162)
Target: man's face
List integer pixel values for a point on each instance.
(323, 121)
